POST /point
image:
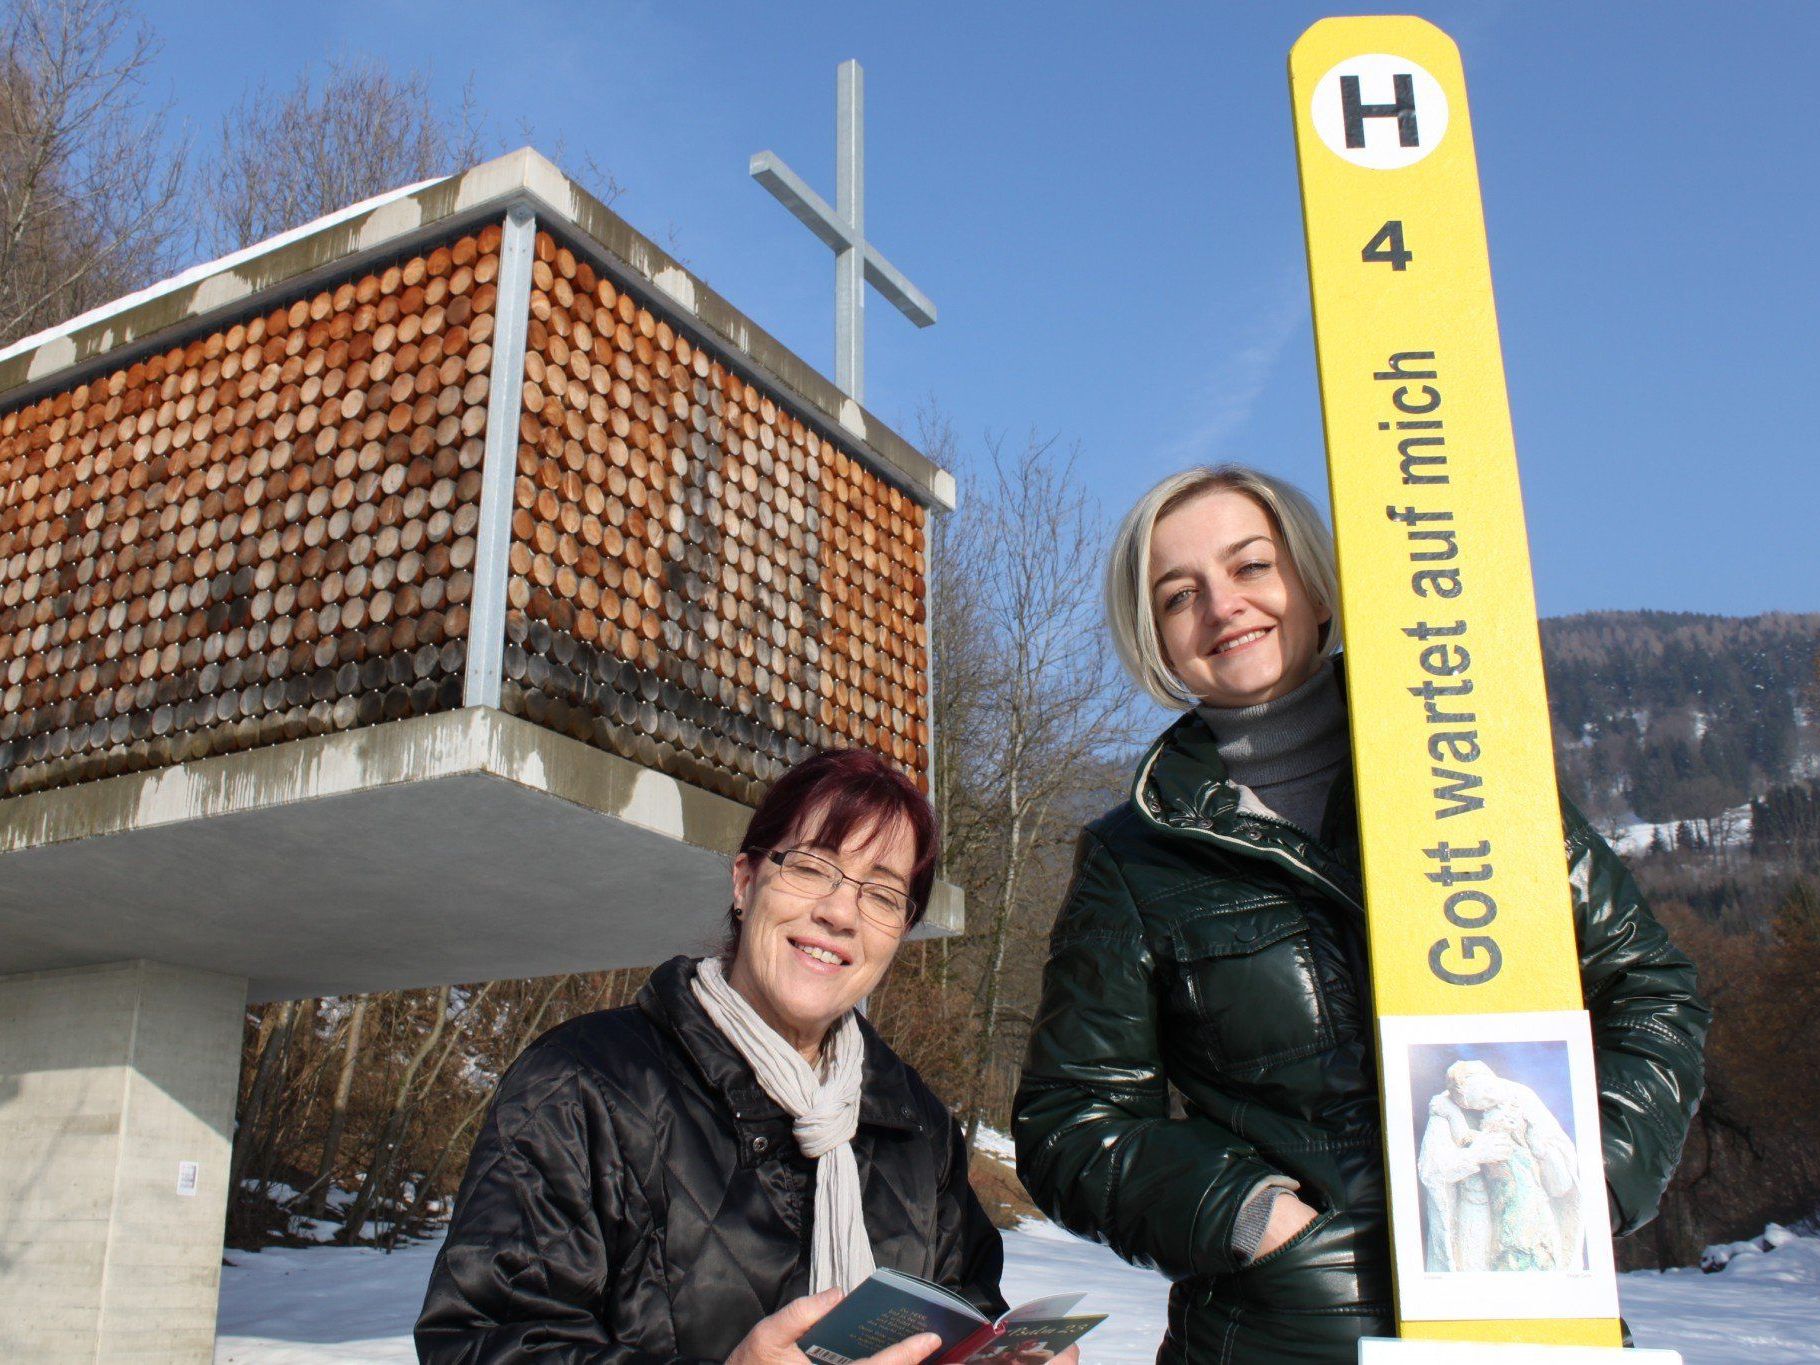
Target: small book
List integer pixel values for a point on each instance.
(892, 1306)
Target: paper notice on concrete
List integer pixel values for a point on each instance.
(188, 1173)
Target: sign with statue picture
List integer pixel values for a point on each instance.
(1500, 1224)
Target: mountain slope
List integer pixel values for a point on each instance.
(1676, 715)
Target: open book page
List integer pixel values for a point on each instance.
(1031, 1341)
(1055, 1306)
(923, 1289)
(883, 1311)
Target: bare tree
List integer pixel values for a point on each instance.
(338, 1112)
(392, 1129)
(87, 184)
(1051, 696)
(526, 1029)
(357, 131)
(963, 662)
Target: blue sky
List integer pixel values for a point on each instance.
(1102, 201)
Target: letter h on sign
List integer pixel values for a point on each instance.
(1354, 112)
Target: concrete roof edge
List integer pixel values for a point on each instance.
(309, 255)
(422, 748)
(474, 739)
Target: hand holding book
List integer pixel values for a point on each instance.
(772, 1340)
(892, 1310)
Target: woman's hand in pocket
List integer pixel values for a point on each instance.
(1288, 1216)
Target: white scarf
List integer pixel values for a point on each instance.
(826, 1114)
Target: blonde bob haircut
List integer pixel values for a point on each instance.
(1131, 615)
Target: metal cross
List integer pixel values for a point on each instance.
(856, 261)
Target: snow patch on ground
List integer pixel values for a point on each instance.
(1763, 1308)
(1730, 830)
(996, 1144)
(310, 1306)
(1721, 1255)
(352, 1304)
(298, 1306)
(1042, 1259)
(307, 1229)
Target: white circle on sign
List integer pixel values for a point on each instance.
(1379, 111)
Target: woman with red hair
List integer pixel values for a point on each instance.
(701, 1175)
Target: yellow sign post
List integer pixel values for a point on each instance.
(1472, 941)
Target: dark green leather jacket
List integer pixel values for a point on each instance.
(1223, 954)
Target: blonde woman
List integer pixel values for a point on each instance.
(1213, 943)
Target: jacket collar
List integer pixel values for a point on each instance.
(1182, 786)
(886, 1099)
(1182, 780)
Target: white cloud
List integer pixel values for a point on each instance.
(1238, 376)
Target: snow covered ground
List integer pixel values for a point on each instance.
(322, 1304)
(1730, 830)
(1762, 1308)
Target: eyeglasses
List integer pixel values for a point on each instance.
(885, 906)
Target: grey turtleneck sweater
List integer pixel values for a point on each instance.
(1286, 753)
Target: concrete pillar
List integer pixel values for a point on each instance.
(112, 1080)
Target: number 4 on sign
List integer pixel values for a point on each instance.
(1387, 246)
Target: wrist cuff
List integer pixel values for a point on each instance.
(1254, 1217)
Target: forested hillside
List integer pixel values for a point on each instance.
(1675, 717)
(1678, 716)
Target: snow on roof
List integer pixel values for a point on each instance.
(270, 269)
(207, 268)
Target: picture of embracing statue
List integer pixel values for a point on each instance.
(1500, 1178)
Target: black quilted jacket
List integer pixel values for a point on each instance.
(1224, 955)
(636, 1197)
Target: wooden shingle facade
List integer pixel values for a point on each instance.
(255, 524)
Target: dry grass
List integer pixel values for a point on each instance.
(1000, 1191)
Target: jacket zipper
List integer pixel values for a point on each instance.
(1270, 852)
